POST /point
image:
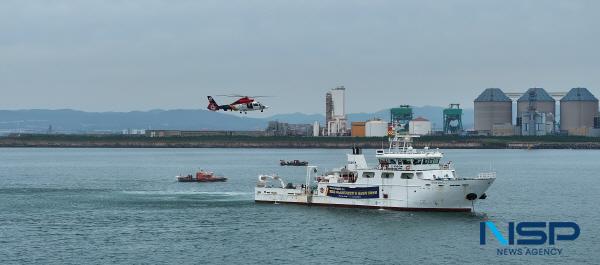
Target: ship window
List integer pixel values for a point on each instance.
(406, 176)
(425, 161)
(392, 161)
(406, 162)
(368, 175)
(387, 175)
(436, 161)
(417, 161)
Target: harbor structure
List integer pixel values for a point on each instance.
(453, 119)
(578, 111)
(492, 107)
(401, 116)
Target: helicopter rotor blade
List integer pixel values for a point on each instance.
(229, 95)
(242, 96)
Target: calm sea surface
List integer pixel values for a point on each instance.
(80, 206)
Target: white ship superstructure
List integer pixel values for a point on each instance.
(404, 179)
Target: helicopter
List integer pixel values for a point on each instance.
(243, 104)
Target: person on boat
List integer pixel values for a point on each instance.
(383, 164)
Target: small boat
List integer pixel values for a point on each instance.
(201, 176)
(295, 163)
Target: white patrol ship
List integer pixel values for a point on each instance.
(405, 179)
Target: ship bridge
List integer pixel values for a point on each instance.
(402, 156)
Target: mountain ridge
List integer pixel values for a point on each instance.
(76, 121)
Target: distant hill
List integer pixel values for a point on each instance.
(74, 121)
(79, 121)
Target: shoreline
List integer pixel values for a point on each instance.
(442, 142)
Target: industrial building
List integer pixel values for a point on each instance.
(578, 110)
(419, 126)
(358, 129)
(335, 112)
(316, 128)
(124, 132)
(276, 128)
(536, 112)
(492, 107)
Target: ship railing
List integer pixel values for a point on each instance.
(447, 166)
(400, 151)
(411, 167)
(486, 175)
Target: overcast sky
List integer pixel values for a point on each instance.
(138, 55)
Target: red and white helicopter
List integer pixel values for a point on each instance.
(243, 104)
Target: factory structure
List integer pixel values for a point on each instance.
(336, 121)
(335, 112)
(276, 128)
(536, 113)
(371, 128)
(401, 116)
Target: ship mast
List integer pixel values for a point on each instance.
(395, 140)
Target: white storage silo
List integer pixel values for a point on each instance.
(419, 126)
(376, 128)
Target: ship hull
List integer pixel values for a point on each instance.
(372, 207)
(413, 195)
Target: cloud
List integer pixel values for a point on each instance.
(126, 55)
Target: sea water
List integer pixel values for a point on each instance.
(106, 206)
